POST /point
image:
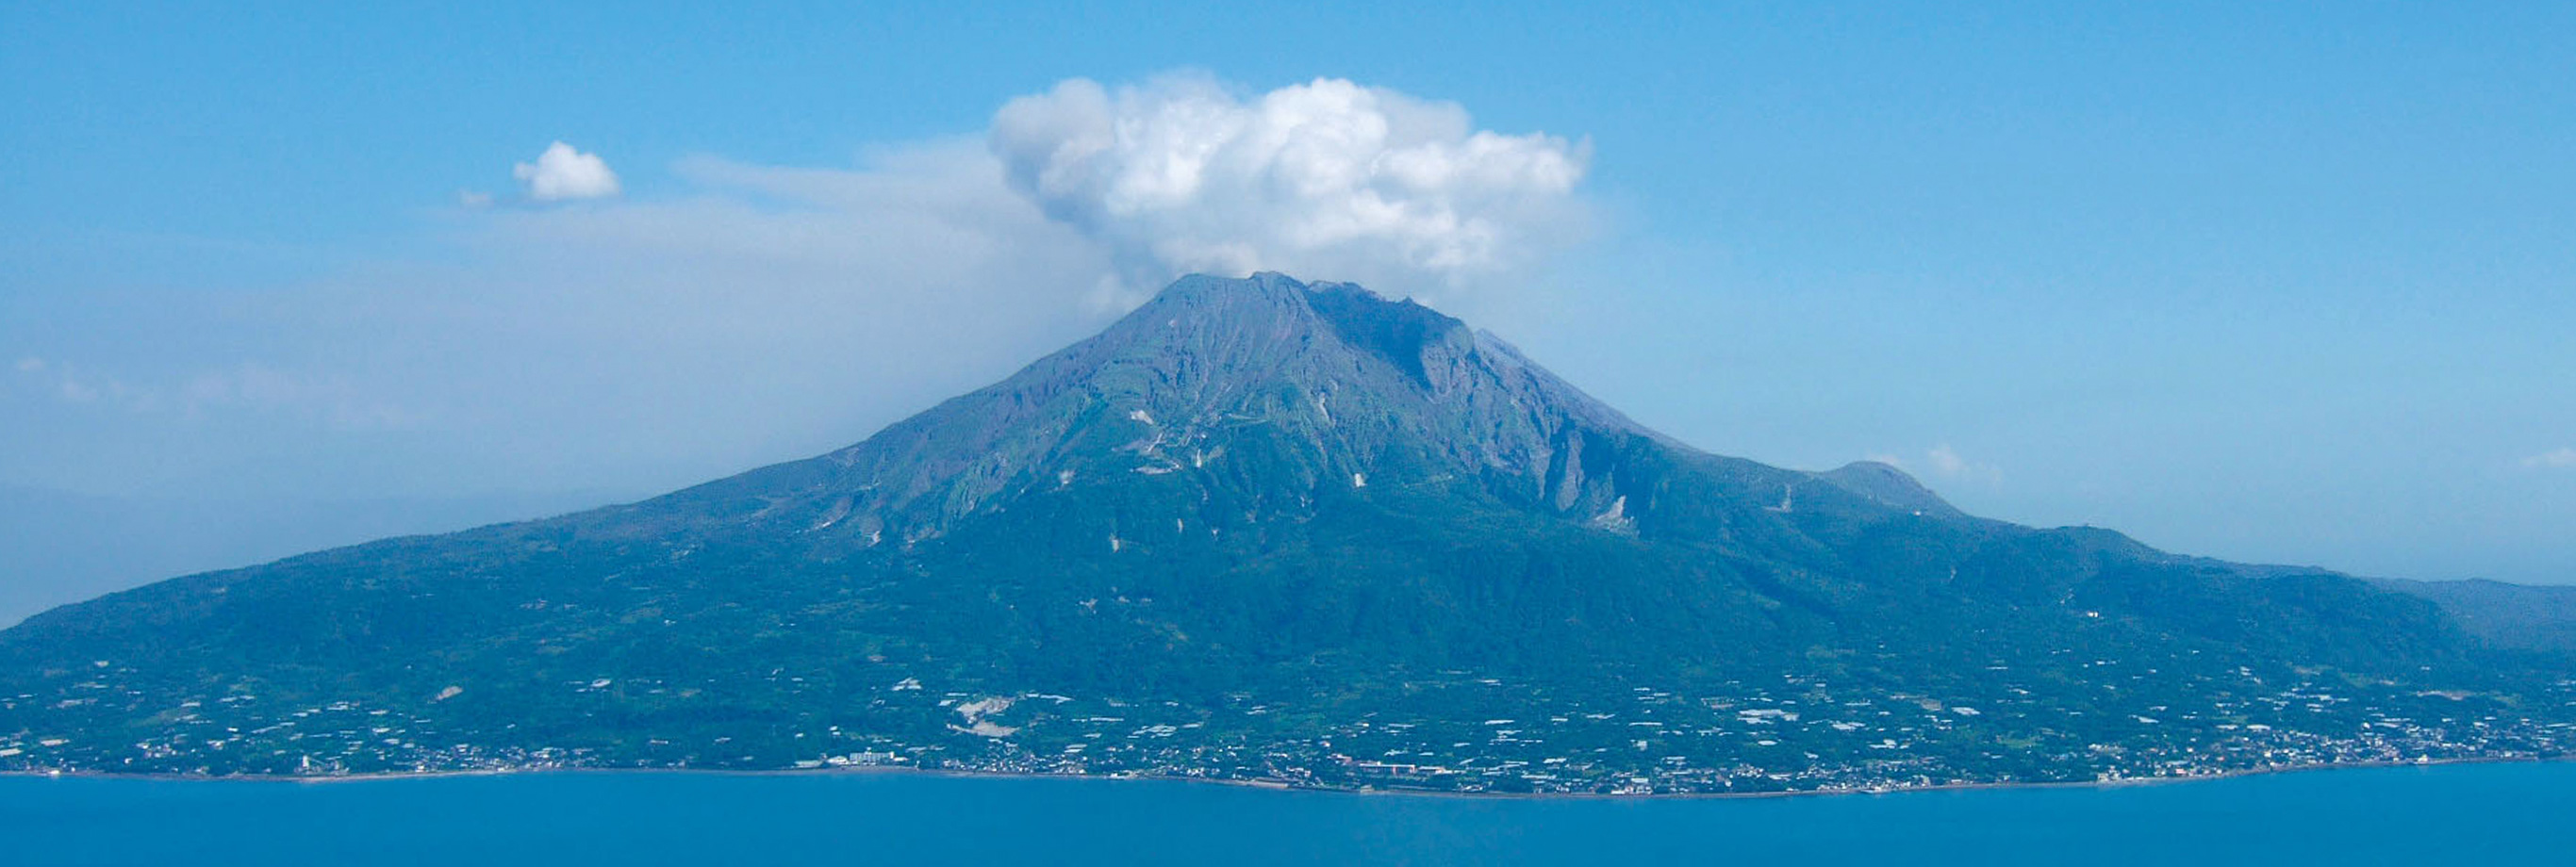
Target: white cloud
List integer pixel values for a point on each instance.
(73, 384)
(325, 396)
(329, 398)
(2558, 459)
(625, 340)
(1948, 463)
(473, 199)
(825, 301)
(1327, 179)
(562, 173)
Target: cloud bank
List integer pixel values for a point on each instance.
(562, 173)
(1327, 179)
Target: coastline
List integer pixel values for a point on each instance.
(1282, 786)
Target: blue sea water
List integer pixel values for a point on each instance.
(2461, 814)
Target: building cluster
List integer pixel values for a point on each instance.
(1458, 733)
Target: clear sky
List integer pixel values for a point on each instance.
(2271, 282)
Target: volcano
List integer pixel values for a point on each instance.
(1261, 529)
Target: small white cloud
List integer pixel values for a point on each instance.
(1947, 462)
(332, 399)
(562, 173)
(473, 199)
(72, 384)
(1328, 179)
(2558, 459)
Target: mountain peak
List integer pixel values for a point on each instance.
(1198, 286)
(1401, 333)
(1886, 484)
(1322, 383)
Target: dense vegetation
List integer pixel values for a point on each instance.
(1262, 529)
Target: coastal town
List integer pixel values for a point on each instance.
(1796, 735)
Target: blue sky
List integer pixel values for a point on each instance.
(2288, 283)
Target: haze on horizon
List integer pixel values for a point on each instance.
(2278, 286)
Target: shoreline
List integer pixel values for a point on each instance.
(1282, 786)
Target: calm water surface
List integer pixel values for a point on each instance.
(2466, 814)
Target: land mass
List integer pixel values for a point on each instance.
(1265, 530)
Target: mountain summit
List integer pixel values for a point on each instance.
(1265, 529)
(1315, 384)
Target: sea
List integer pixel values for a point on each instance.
(2478, 814)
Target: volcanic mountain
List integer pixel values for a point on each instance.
(1266, 529)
